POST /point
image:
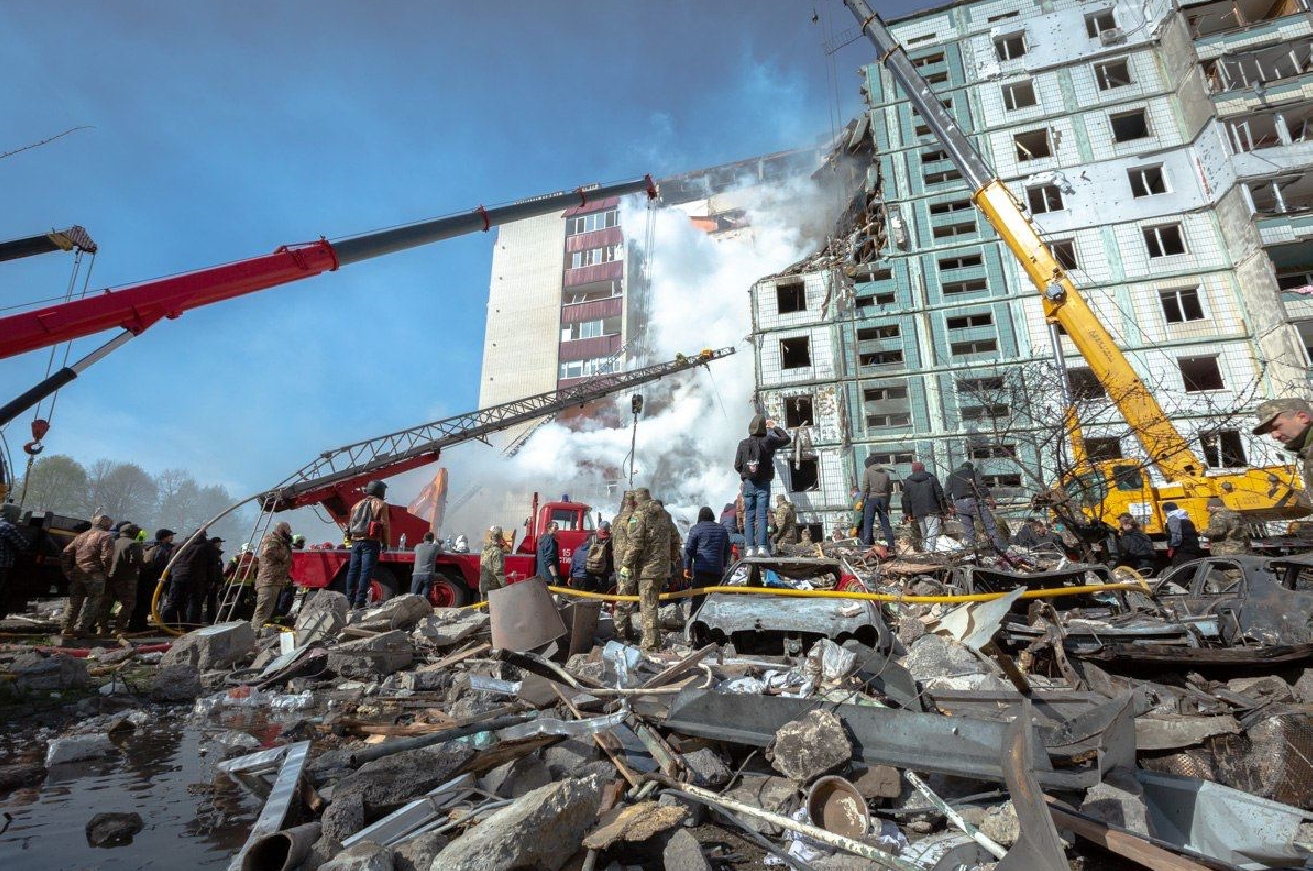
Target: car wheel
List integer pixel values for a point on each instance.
(449, 591)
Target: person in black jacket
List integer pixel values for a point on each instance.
(157, 557)
(971, 504)
(548, 564)
(1134, 548)
(755, 462)
(706, 553)
(924, 504)
(193, 573)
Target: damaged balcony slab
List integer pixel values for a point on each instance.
(766, 625)
(930, 743)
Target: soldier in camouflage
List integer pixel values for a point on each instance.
(1290, 422)
(86, 561)
(648, 560)
(786, 523)
(271, 574)
(626, 584)
(1227, 533)
(676, 544)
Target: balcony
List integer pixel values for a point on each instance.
(600, 272)
(1227, 27)
(587, 349)
(582, 312)
(1256, 70)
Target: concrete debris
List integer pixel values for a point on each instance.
(344, 816)
(387, 783)
(381, 654)
(21, 774)
(448, 626)
(365, 856)
(322, 617)
(418, 853)
(1000, 824)
(34, 672)
(1119, 802)
(176, 683)
(807, 748)
(401, 612)
(684, 853)
(635, 823)
(707, 768)
(214, 647)
(113, 829)
(75, 748)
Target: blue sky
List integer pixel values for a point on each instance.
(223, 130)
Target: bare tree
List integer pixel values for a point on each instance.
(124, 491)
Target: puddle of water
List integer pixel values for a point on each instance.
(185, 828)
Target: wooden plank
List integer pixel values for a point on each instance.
(1123, 843)
(461, 655)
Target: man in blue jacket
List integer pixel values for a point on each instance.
(706, 553)
(548, 564)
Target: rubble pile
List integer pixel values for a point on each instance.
(927, 727)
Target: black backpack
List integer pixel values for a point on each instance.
(362, 519)
(752, 459)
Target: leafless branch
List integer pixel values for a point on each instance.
(45, 141)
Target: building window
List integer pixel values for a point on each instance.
(884, 394)
(950, 207)
(592, 291)
(796, 353)
(925, 37)
(790, 297)
(1064, 250)
(1165, 240)
(1018, 95)
(805, 476)
(1200, 374)
(934, 154)
(949, 231)
(581, 368)
(1002, 482)
(1113, 74)
(894, 418)
(590, 329)
(884, 331)
(892, 458)
(798, 411)
(1181, 305)
(1147, 181)
(928, 59)
(976, 346)
(876, 299)
(992, 452)
(1033, 145)
(989, 411)
(593, 256)
(1010, 47)
(1002, 15)
(593, 221)
(1084, 385)
(962, 322)
(1224, 449)
(970, 286)
(1129, 126)
(978, 386)
(1044, 198)
(1098, 22)
(941, 177)
(966, 261)
(880, 358)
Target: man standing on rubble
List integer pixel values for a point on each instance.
(755, 462)
(1227, 533)
(492, 563)
(620, 530)
(1182, 537)
(924, 504)
(124, 570)
(786, 523)
(370, 529)
(1288, 422)
(12, 546)
(647, 567)
(706, 553)
(971, 503)
(86, 560)
(548, 562)
(877, 492)
(426, 563)
(271, 575)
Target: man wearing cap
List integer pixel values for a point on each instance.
(646, 568)
(1288, 421)
(492, 563)
(1227, 533)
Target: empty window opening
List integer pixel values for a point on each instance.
(950, 207)
(962, 322)
(1166, 240)
(1098, 22)
(1200, 374)
(882, 274)
(1002, 482)
(992, 452)
(936, 78)
(1113, 74)
(1018, 95)
(948, 231)
(1010, 47)
(876, 299)
(1002, 15)
(892, 458)
(893, 418)
(925, 37)
(988, 411)
(791, 297)
(1033, 145)
(884, 331)
(881, 358)
(1064, 250)
(976, 346)
(1255, 131)
(805, 475)
(1181, 305)
(1129, 126)
(942, 177)
(884, 394)
(934, 154)
(1044, 198)
(928, 59)
(966, 261)
(970, 286)
(592, 291)
(980, 386)
(1147, 181)
(796, 353)
(1224, 449)
(1084, 385)
(798, 411)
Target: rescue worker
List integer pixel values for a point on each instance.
(1288, 422)
(1134, 547)
(86, 560)
(156, 558)
(674, 576)
(1227, 533)
(971, 503)
(754, 460)
(426, 563)
(370, 530)
(620, 529)
(924, 505)
(1182, 537)
(547, 555)
(706, 553)
(194, 569)
(646, 568)
(124, 570)
(492, 563)
(877, 495)
(216, 580)
(12, 546)
(786, 523)
(275, 562)
(590, 564)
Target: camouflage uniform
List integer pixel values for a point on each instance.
(648, 560)
(626, 583)
(124, 569)
(620, 528)
(786, 523)
(492, 565)
(275, 561)
(676, 544)
(1227, 533)
(86, 560)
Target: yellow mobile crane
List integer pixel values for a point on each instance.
(1107, 488)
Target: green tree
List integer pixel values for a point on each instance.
(56, 483)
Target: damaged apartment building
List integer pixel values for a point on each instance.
(1162, 150)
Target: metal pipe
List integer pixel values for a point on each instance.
(369, 754)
